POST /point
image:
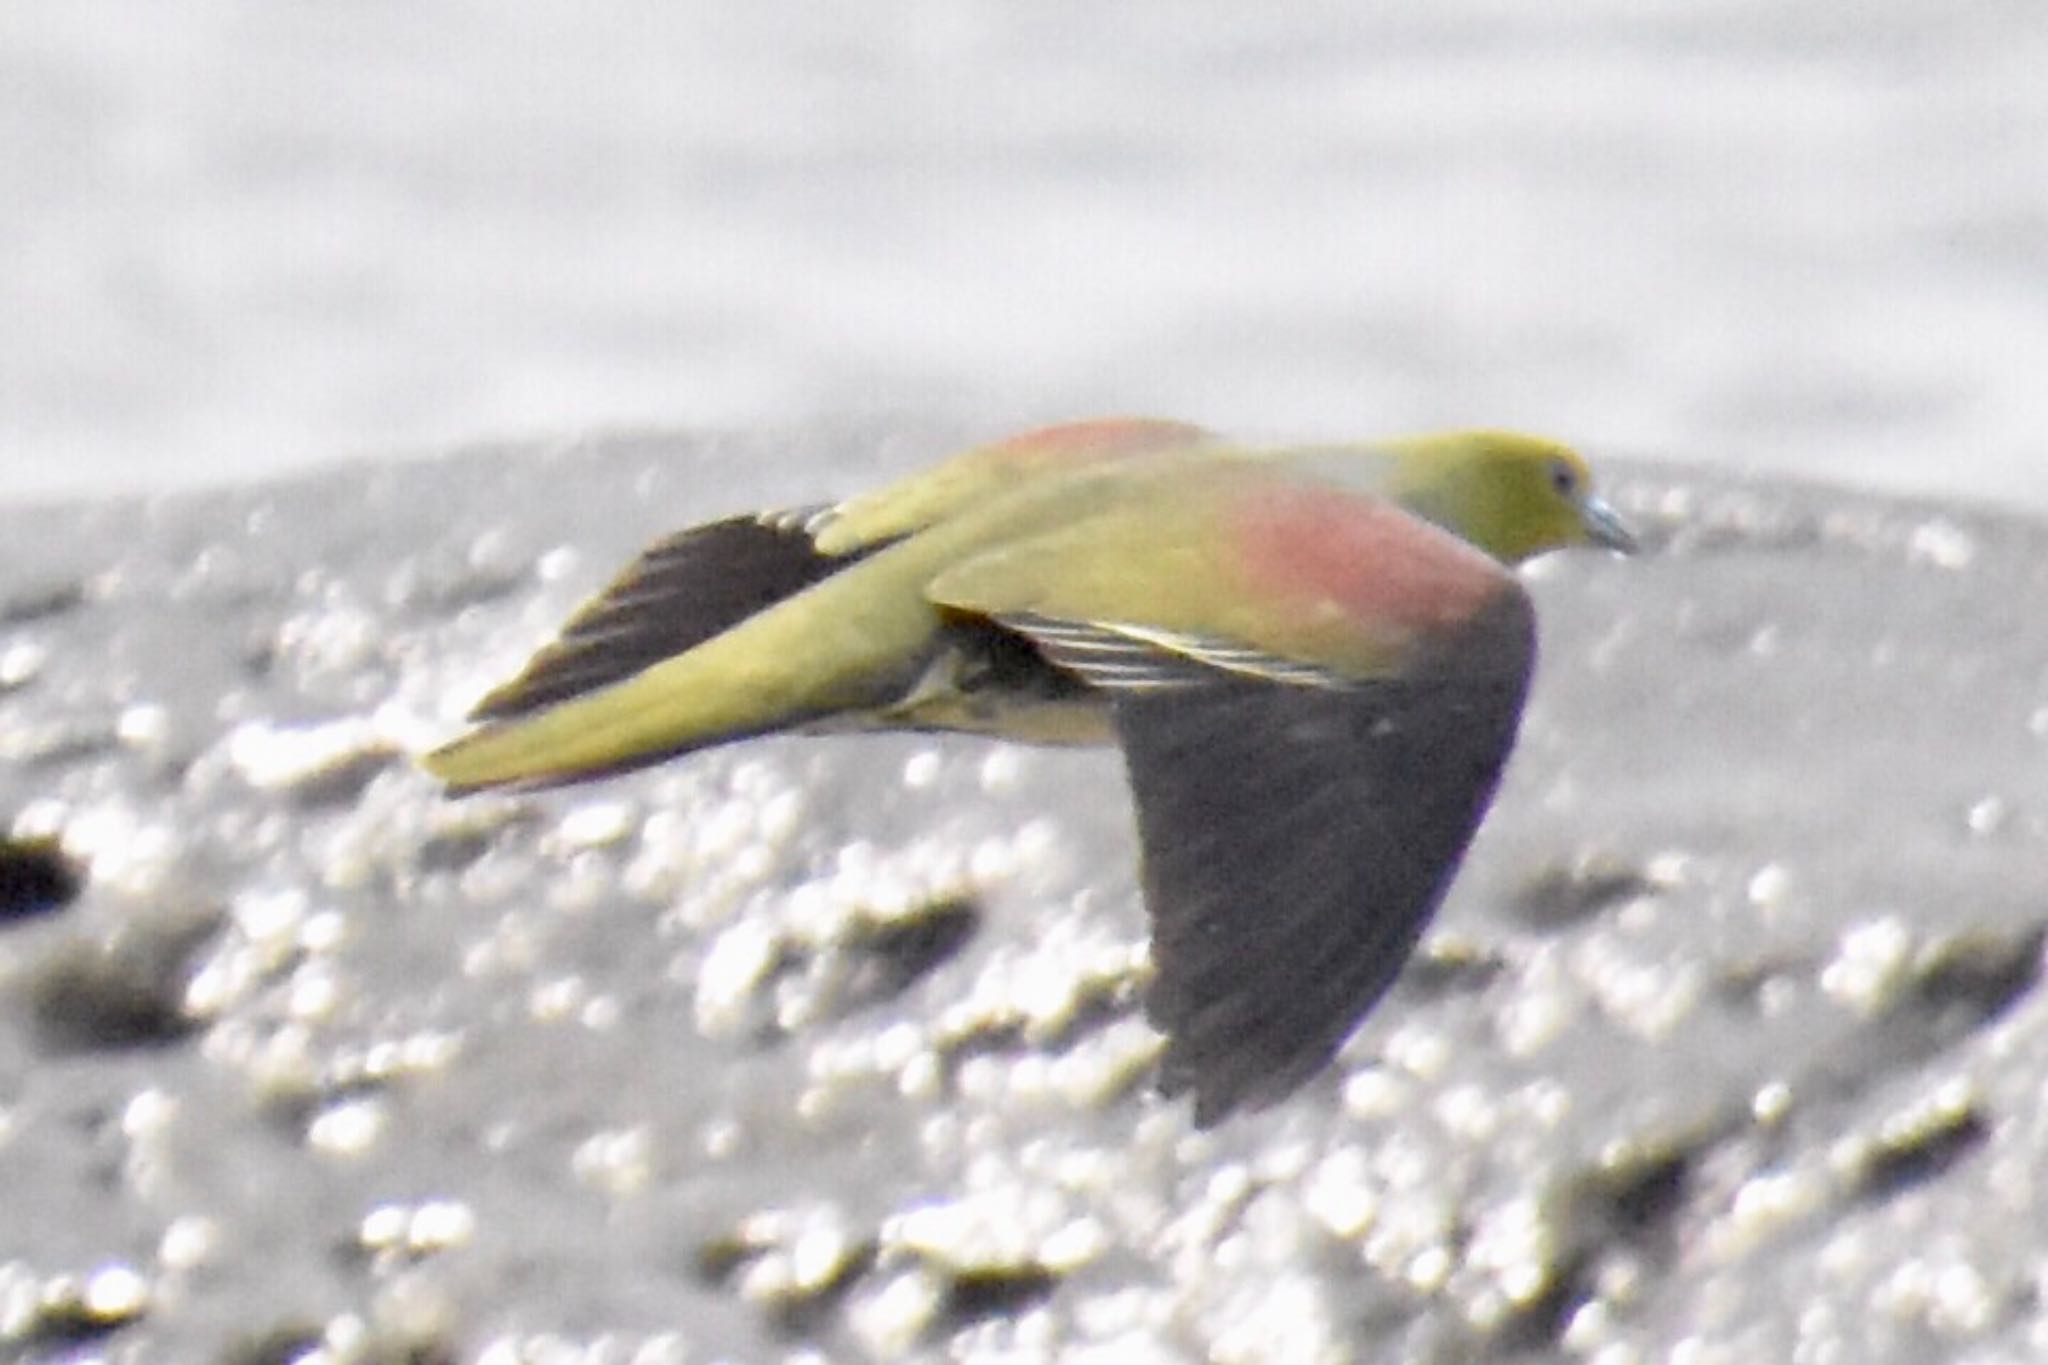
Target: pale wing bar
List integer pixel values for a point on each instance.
(1119, 657)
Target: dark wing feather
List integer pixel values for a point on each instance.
(677, 594)
(1297, 839)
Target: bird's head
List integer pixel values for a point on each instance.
(1513, 496)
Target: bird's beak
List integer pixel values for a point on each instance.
(1604, 527)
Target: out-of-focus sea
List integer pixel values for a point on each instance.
(241, 236)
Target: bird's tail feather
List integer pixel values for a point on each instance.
(669, 709)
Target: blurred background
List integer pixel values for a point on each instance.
(243, 236)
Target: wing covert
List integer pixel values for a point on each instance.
(1119, 657)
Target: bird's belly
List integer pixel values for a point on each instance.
(1026, 720)
(983, 680)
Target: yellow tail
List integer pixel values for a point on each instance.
(666, 710)
(851, 643)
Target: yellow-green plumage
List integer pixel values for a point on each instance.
(973, 476)
(1141, 581)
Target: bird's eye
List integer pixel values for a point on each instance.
(1564, 480)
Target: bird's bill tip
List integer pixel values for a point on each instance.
(1605, 527)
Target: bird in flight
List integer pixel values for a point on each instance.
(1313, 657)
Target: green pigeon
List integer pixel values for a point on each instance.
(1313, 657)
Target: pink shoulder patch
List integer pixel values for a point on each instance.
(1311, 548)
(1098, 438)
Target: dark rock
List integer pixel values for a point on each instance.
(125, 991)
(36, 877)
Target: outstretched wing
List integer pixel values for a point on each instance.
(1296, 841)
(678, 593)
(1298, 830)
(1315, 693)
